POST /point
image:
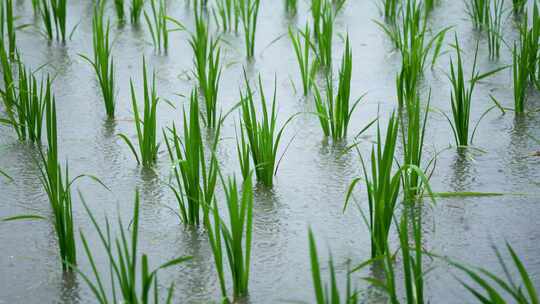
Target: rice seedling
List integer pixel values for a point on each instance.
(302, 51)
(525, 65)
(518, 6)
(207, 61)
(461, 97)
(228, 13)
(410, 38)
(478, 11)
(338, 5)
(407, 83)
(24, 99)
(412, 258)
(263, 136)
(494, 28)
(103, 62)
(335, 113)
(415, 46)
(9, 28)
(57, 184)
(242, 150)
(145, 125)
(157, 24)
(429, 5)
(411, 266)
(316, 10)
(412, 134)
(391, 10)
(495, 289)
(324, 35)
(249, 10)
(123, 258)
(325, 294)
(47, 18)
(383, 188)
(27, 115)
(291, 6)
(119, 9)
(54, 12)
(237, 237)
(195, 180)
(530, 38)
(520, 75)
(136, 10)
(8, 93)
(36, 7)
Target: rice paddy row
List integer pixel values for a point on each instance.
(29, 104)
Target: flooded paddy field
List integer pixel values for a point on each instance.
(313, 177)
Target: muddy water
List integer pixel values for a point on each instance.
(312, 179)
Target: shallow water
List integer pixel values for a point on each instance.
(312, 179)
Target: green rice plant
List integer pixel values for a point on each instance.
(158, 25)
(530, 38)
(9, 28)
(54, 12)
(407, 83)
(391, 10)
(338, 5)
(237, 237)
(47, 18)
(8, 93)
(136, 10)
(302, 51)
(243, 152)
(207, 61)
(24, 99)
(478, 11)
(27, 115)
(36, 7)
(409, 36)
(520, 75)
(526, 54)
(57, 184)
(316, 12)
(411, 266)
(146, 125)
(195, 179)
(227, 16)
(412, 256)
(324, 35)
(103, 62)
(495, 289)
(429, 5)
(461, 97)
(494, 28)
(263, 136)
(119, 9)
(412, 134)
(325, 294)
(125, 264)
(415, 46)
(249, 10)
(518, 6)
(291, 6)
(335, 113)
(383, 188)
